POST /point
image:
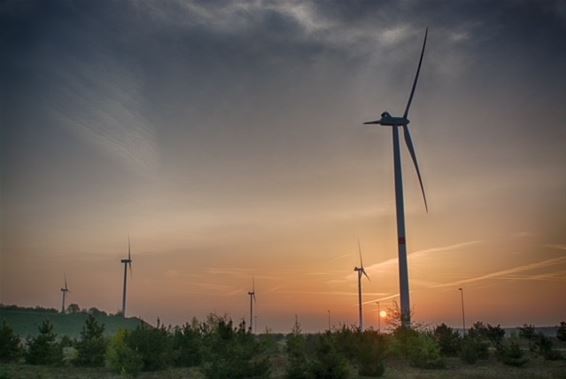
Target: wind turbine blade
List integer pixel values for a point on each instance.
(130, 267)
(254, 296)
(67, 288)
(365, 273)
(129, 254)
(372, 122)
(253, 285)
(416, 77)
(360, 253)
(411, 148)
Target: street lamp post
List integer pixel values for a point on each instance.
(463, 314)
(378, 317)
(329, 326)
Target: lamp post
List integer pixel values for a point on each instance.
(463, 314)
(379, 317)
(329, 326)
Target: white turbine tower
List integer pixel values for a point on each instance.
(252, 302)
(361, 271)
(64, 291)
(127, 264)
(396, 123)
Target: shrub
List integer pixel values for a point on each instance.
(424, 352)
(232, 353)
(43, 349)
(9, 343)
(152, 344)
(402, 339)
(371, 353)
(91, 347)
(544, 347)
(561, 332)
(473, 348)
(527, 331)
(510, 353)
(328, 362)
(297, 365)
(448, 339)
(495, 334)
(187, 345)
(122, 358)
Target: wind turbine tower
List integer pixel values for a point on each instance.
(252, 302)
(64, 291)
(361, 271)
(127, 264)
(396, 123)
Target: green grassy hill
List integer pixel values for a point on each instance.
(26, 322)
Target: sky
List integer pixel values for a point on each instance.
(225, 139)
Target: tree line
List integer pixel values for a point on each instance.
(222, 349)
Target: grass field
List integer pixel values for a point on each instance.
(491, 369)
(25, 323)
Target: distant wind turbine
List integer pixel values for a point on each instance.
(252, 302)
(397, 122)
(127, 264)
(361, 271)
(64, 291)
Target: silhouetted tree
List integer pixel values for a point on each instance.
(328, 363)
(297, 363)
(73, 308)
(44, 349)
(510, 353)
(527, 331)
(232, 352)
(92, 345)
(187, 345)
(561, 332)
(495, 334)
(153, 345)
(448, 339)
(9, 343)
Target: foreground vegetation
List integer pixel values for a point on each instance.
(218, 348)
(25, 321)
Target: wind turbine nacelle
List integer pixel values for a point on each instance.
(388, 120)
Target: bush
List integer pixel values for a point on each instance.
(448, 339)
(91, 347)
(9, 343)
(473, 348)
(371, 353)
(232, 353)
(561, 332)
(495, 334)
(527, 331)
(297, 365)
(43, 349)
(328, 363)
(122, 358)
(544, 347)
(187, 345)
(510, 353)
(153, 346)
(424, 352)
(402, 339)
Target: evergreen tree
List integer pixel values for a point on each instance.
(44, 349)
(9, 343)
(92, 344)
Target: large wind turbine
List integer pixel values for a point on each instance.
(127, 264)
(64, 291)
(252, 301)
(396, 123)
(361, 271)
